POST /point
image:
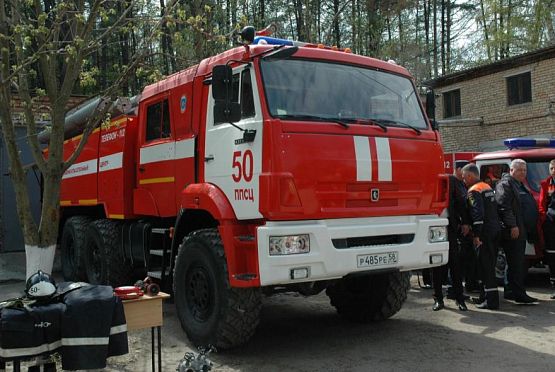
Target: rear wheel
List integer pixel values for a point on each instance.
(104, 259)
(370, 298)
(210, 311)
(72, 248)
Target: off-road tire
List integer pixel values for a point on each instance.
(72, 245)
(210, 311)
(369, 298)
(104, 259)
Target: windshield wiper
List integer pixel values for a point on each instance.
(366, 121)
(397, 123)
(314, 118)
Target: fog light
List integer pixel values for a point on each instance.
(436, 259)
(437, 234)
(291, 244)
(299, 273)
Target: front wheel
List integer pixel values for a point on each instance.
(210, 311)
(371, 297)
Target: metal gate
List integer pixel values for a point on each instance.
(11, 236)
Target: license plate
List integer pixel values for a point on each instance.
(378, 259)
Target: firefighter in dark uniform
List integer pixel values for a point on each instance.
(518, 213)
(547, 216)
(485, 228)
(458, 225)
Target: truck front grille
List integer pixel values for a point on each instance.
(365, 241)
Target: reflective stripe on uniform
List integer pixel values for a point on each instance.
(26, 351)
(84, 341)
(118, 329)
(490, 290)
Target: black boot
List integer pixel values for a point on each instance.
(438, 304)
(461, 304)
(553, 288)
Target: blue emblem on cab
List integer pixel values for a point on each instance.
(183, 103)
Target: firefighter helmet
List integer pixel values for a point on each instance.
(40, 285)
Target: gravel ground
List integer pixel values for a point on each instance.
(306, 334)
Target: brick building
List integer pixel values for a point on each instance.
(515, 97)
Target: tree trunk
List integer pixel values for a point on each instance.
(337, 35)
(427, 42)
(485, 29)
(435, 39)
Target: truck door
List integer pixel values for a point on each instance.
(229, 163)
(156, 165)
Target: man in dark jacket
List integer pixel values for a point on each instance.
(547, 217)
(485, 229)
(518, 213)
(458, 224)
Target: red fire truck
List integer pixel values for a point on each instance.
(275, 165)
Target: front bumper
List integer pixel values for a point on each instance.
(325, 261)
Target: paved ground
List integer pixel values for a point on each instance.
(305, 334)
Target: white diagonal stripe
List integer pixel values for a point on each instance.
(155, 153)
(185, 149)
(81, 169)
(168, 151)
(363, 160)
(384, 159)
(110, 162)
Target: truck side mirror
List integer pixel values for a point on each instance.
(221, 82)
(227, 112)
(431, 108)
(431, 104)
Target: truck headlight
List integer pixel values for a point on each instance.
(289, 244)
(437, 234)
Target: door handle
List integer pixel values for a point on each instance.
(142, 169)
(209, 157)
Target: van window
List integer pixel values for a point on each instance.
(158, 121)
(492, 173)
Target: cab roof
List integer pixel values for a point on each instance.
(535, 153)
(204, 68)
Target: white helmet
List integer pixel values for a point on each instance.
(40, 286)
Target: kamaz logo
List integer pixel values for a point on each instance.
(43, 325)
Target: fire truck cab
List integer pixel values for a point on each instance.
(273, 166)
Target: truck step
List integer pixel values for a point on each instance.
(157, 274)
(162, 231)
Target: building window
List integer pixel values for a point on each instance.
(452, 104)
(519, 89)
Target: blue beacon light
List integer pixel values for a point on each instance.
(513, 143)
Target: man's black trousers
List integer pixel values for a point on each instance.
(515, 251)
(454, 266)
(549, 238)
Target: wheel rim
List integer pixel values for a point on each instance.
(198, 293)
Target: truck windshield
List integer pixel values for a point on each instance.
(301, 89)
(537, 171)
